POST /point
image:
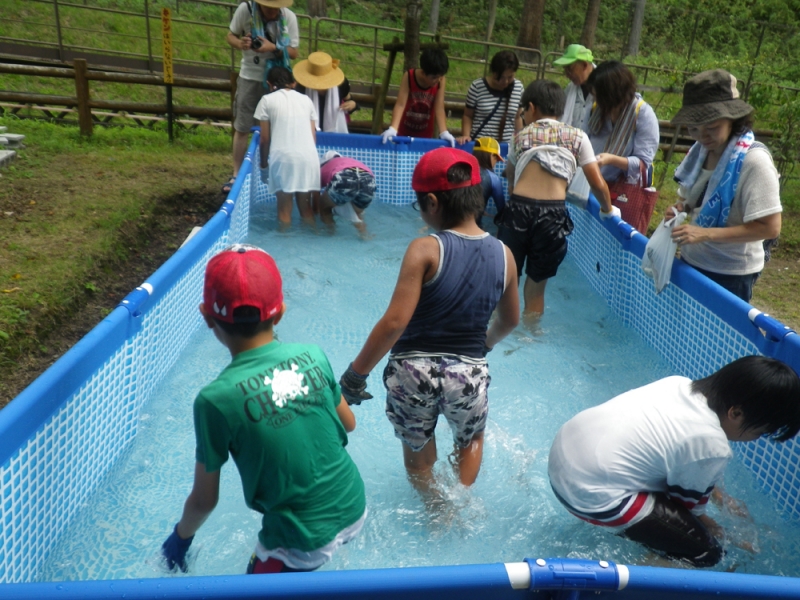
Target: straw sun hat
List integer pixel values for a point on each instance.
(318, 72)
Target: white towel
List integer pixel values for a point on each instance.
(334, 116)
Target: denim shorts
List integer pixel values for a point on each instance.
(419, 389)
(352, 185)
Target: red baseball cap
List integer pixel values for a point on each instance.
(430, 174)
(242, 275)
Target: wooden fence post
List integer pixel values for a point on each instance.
(377, 112)
(82, 93)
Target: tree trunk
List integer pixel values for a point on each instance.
(530, 27)
(564, 11)
(590, 23)
(492, 16)
(317, 8)
(636, 27)
(433, 23)
(411, 42)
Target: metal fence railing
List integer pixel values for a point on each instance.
(131, 38)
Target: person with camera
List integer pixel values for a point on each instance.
(267, 34)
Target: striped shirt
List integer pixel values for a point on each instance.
(482, 99)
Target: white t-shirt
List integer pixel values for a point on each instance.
(241, 23)
(757, 195)
(293, 157)
(656, 438)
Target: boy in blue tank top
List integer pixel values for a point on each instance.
(450, 282)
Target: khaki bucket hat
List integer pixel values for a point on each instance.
(709, 96)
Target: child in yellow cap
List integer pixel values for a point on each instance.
(487, 151)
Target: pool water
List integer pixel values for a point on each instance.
(336, 286)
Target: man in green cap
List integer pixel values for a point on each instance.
(578, 65)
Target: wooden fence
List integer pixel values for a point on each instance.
(91, 112)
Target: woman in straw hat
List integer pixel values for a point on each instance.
(321, 79)
(288, 148)
(728, 184)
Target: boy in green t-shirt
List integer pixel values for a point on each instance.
(278, 410)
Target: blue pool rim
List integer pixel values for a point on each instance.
(30, 414)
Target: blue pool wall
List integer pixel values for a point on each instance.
(62, 434)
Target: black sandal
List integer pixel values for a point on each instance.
(228, 185)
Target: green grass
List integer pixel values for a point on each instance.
(65, 201)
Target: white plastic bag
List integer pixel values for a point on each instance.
(660, 252)
(346, 211)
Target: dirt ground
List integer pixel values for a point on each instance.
(173, 219)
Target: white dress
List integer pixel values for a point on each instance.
(293, 158)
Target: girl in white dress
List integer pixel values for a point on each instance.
(288, 145)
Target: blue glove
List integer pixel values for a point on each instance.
(174, 550)
(354, 386)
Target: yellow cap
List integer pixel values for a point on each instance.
(488, 144)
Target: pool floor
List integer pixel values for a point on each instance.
(336, 286)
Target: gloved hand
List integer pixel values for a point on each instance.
(174, 550)
(614, 213)
(354, 386)
(264, 172)
(388, 134)
(283, 42)
(448, 137)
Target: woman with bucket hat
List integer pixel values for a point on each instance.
(265, 31)
(728, 184)
(321, 79)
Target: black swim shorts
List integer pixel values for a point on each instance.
(672, 530)
(536, 230)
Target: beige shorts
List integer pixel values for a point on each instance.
(248, 93)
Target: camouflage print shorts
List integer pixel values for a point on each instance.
(419, 389)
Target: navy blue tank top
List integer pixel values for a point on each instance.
(454, 307)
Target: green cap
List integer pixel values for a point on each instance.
(574, 52)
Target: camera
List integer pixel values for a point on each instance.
(255, 43)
